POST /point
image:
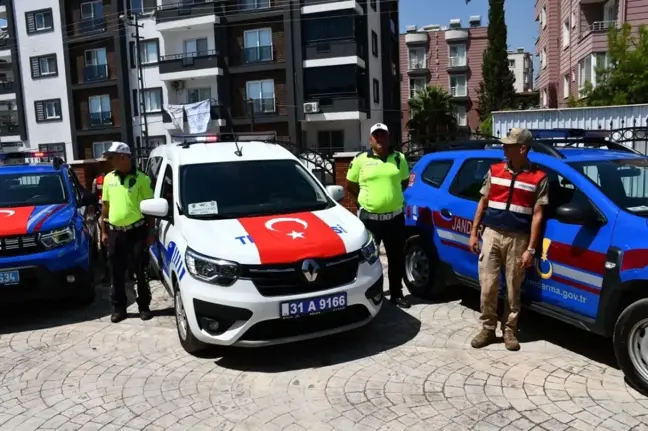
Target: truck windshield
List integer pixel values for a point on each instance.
(624, 181)
(31, 189)
(252, 188)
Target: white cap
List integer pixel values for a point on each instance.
(118, 148)
(378, 126)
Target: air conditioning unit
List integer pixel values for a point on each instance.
(178, 85)
(311, 107)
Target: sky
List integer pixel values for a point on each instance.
(520, 19)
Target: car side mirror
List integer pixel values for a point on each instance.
(580, 213)
(156, 207)
(89, 199)
(335, 192)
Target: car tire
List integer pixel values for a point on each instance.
(187, 339)
(630, 328)
(421, 275)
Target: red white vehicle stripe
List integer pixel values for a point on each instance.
(512, 207)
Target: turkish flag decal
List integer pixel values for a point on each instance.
(292, 237)
(13, 221)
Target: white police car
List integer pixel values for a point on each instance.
(253, 248)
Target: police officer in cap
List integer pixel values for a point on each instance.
(376, 179)
(125, 231)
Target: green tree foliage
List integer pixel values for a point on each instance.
(431, 112)
(624, 81)
(496, 91)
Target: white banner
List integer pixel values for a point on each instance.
(198, 116)
(176, 112)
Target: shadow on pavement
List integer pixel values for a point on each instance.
(336, 349)
(537, 327)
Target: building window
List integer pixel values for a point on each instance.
(417, 58)
(153, 100)
(99, 109)
(373, 4)
(255, 4)
(511, 64)
(48, 110)
(566, 86)
(40, 21)
(96, 64)
(543, 17)
(458, 86)
(460, 115)
(44, 66)
(92, 9)
(99, 148)
(457, 55)
(143, 6)
(325, 81)
(58, 149)
(543, 58)
(584, 72)
(416, 85)
(149, 52)
(573, 19)
(544, 97)
(261, 95)
(198, 94)
(374, 43)
(195, 47)
(257, 45)
(376, 91)
(565, 33)
(330, 141)
(328, 28)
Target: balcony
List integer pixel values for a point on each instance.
(457, 64)
(338, 107)
(9, 128)
(258, 54)
(597, 27)
(181, 16)
(7, 87)
(190, 65)
(318, 53)
(321, 6)
(6, 43)
(91, 25)
(257, 107)
(456, 35)
(101, 119)
(418, 38)
(95, 73)
(417, 66)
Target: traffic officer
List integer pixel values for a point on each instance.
(97, 190)
(376, 180)
(125, 231)
(511, 209)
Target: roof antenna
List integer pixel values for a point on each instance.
(238, 151)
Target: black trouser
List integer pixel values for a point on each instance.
(122, 247)
(392, 234)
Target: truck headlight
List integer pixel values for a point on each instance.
(211, 270)
(370, 251)
(57, 237)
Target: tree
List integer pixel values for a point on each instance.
(431, 112)
(624, 80)
(496, 90)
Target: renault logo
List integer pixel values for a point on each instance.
(310, 269)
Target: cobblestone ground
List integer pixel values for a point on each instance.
(72, 369)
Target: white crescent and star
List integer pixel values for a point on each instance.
(7, 213)
(294, 234)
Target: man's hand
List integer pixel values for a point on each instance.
(473, 244)
(104, 239)
(527, 260)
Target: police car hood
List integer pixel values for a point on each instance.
(279, 238)
(34, 218)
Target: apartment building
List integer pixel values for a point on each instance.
(572, 42)
(521, 66)
(446, 56)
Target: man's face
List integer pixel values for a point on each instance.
(380, 140)
(516, 153)
(118, 161)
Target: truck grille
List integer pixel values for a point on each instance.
(18, 245)
(288, 279)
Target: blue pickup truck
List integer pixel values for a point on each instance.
(592, 265)
(45, 236)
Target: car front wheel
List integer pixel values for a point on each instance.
(190, 343)
(421, 268)
(631, 344)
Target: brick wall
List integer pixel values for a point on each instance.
(87, 170)
(342, 162)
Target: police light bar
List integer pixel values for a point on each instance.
(24, 157)
(568, 133)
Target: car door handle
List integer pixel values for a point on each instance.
(446, 213)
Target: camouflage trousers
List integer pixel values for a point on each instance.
(501, 249)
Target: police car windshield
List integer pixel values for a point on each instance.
(253, 188)
(624, 181)
(31, 189)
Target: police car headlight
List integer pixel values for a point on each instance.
(370, 252)
(57, 237)
(211, 270)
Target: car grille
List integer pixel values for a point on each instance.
(288, 279)
(18, 245)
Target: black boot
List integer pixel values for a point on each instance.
(118, 315)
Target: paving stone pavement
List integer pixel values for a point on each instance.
(71, 369)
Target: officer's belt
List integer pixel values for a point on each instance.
(363, 214)
(126, 228)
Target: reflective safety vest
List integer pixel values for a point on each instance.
(511, 198)
(99, 185)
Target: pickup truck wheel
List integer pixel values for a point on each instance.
(190, 343)
(421, 264)
(631, 344)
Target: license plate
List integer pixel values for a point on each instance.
(310, 306)
(9, 277)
